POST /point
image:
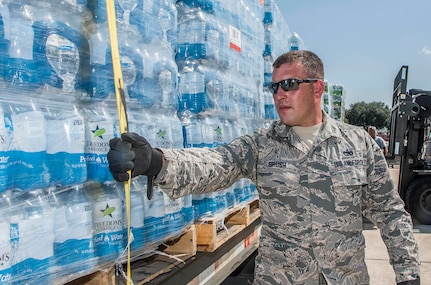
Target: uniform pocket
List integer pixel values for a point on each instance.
(348, 184)
(349, 176)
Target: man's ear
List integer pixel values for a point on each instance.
(319, 88)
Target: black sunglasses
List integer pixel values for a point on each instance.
(289, 84)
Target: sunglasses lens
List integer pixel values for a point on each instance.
(273, 86)
(286, 84)
(289, 84)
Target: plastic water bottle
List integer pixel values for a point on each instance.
(188, 214)
(4, 38)
(268, 15)
(65, 145)
(234, 97)
(177, 131)
(208, 123)
(294, 41)
(270, 112)
(107, 220)
(167, 18)
(200, 207)
(145, 18)
(63, 55)
(192, 90)
(101, 85)
(173, 220)
(212, 131)
(154, 227)
(28, 148)
(123, 10)
(216, 204)
(158, 131)
(165, 76)
(132, 64)
(160, 77)
(214, 90)
(33, 236)
(137, 213)
(192, 132)
(6, 254)
(240, 192)
(211, 204)
(73, 244)
(267, 72)
(6, 130)
(213, 44)
(221, 202)
(191, 43)
(227, 130)
(20, 71)
(61, 45)
(230, 197)
(100, 128)
(253, 191)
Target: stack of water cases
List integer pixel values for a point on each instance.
(193, 77)
(326, 100)
(337, 95)
(47, 219)
(276, 38)
(219, 56)
(63, 214)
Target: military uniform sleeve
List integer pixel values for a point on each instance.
(201, 170)
(383, 206)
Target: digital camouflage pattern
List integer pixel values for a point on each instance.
(311, 201)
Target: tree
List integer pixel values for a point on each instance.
(366, 114)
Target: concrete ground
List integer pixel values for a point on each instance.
(377, 259)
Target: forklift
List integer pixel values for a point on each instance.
(410, 143)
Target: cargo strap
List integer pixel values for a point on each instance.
(121, 110)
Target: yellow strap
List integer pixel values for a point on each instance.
(121, 109)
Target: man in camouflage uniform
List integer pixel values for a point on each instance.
(315, 177)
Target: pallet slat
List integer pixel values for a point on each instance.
(209, 237)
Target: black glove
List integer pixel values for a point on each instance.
(133, 152)
(411, 282)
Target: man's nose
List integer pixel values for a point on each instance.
(280, 94)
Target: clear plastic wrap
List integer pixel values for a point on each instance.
(193, 72)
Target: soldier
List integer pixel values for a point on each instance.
(315, 176)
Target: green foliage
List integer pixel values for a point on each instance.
(365, 114)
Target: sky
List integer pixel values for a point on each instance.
(364, 43)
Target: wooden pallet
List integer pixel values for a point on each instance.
(206, 236)
(214, 232)
(101, 277)
(182, 248)
(144, 270)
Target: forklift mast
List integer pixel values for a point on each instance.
(409, 128)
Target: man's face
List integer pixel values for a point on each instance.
(299, 107)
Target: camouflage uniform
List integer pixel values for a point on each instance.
(311, 200)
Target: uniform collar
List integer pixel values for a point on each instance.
(329, 129)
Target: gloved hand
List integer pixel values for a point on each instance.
(411, 282)
(133, 152)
